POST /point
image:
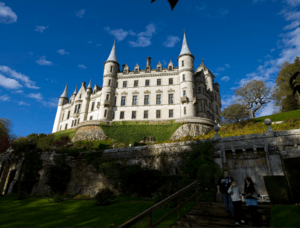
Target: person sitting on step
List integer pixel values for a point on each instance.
(251, 200)
(234, 192)
(223, 185)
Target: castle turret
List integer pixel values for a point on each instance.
(86, 101)
(186, 72)
(63, 99)
(170, 65)
(72, 98)
(111, 68)
(209, 78)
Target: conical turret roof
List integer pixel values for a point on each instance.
(170, 63)
(65, 93)
(75, 92)
(185, 48)
(113, 54)
(202, 66)
(90, 85)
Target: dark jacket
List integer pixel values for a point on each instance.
(250, 195)
(224, 183)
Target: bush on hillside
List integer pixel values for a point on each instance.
(83, 144)
(62, 142)
(206, 177)
(45, 142)
(164, 192)
(22, 144)
(105, 197)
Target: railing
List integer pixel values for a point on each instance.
(149, 211)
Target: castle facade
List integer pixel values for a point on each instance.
(151, 94)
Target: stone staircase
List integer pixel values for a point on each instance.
(206, 214)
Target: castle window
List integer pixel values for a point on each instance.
(105, 113)
(124, 84)
(80, 96)
(60, 127)
(136, 83)
(109, 82)
(182, 63)
(200, 107)
(113, 115)
(121, 115)
(91, 117)
(72, 123)
(147, 83)
(126, 71)
(146, 100)
(134, 100)
(111, 68)
(184, 93)
(78, 120)
(133, 115)
(170, 67)
(93, 105)
(78, 108)
(158, 98)
(123, 101)
(184, 110)
(116, 84)
(183, 77)
(68, 115)
(158, 68)
(157, 113)
(115, 101)
(158, 81)
(66, 127)
(62, 117)
(75, 111)
(170, 81)
(107, 97)
(171, 113)
(170, 98)
(75, 122)
(145, 114)
(199, 89)
(136, 70)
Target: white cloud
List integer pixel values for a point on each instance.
(19, 91)
(4, 98)
(90, 42)
(22, 77)
(37, 96)
(43, 62)
(119, 34)
(98, 45)
(23, 103)
(63, 52)
(225, 78)
(223, 12)
(80, 13)
(81, 66)
(266, 110)
(220, 69)
(7, 16)
(216, 74)
(227, 99)
(171, 41)
(144, 38)
(40, 28)
(9, 83)
(164, 62)
(273, 49)
(51, 104)
(227, 65)
(293, 2)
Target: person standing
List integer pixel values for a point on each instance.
(250, 196)
(234, 192)
(223, 186)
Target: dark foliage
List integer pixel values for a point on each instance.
(105, 197)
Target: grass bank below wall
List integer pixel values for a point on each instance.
(71, 132)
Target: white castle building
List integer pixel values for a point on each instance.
(171, 93)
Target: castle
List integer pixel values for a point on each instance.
(152, 94)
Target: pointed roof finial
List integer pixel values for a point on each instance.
(185, 48)
(75, 92)
(65, 93)
(90, 85)
(202, 60)
(113, 55)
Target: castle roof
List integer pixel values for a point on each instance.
(113, 54)
(75, 92)
(65, 93)
(185, 48)
(202, 66)
(90, 86)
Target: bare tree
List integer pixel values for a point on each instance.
(254, 95)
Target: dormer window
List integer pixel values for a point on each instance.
(111, 68)
(126, 71)
(158, 68)
(136, 70)
(170, 67)
(182, 63)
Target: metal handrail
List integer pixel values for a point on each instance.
(149, 211)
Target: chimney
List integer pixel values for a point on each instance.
(148, 61)
(83, 84)
(123, 67)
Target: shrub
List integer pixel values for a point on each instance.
(83, 196)
(165, 191)
(22, 144)
(57, 198)
(105, 197)
(206, 176)
(62, 142)
(45, 142)
(84, 144)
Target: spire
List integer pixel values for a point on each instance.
(75, 92)
(90, 85)
(170, 62)
(65, 93)
(113, 55)
(185, 48)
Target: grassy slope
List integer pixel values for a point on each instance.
(40, 213)
(280, 116)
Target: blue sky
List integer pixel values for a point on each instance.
(44, 44)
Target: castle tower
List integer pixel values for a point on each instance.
(63, 99)
(86, 101)
(209, 78)
(111, 68)
(186, 72)
(72, 98)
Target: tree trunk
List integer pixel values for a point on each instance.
(252, 114)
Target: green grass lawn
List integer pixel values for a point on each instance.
(35, 212)
(280, 116)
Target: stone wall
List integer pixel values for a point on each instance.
(254, 155)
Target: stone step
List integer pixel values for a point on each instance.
(221, 211)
